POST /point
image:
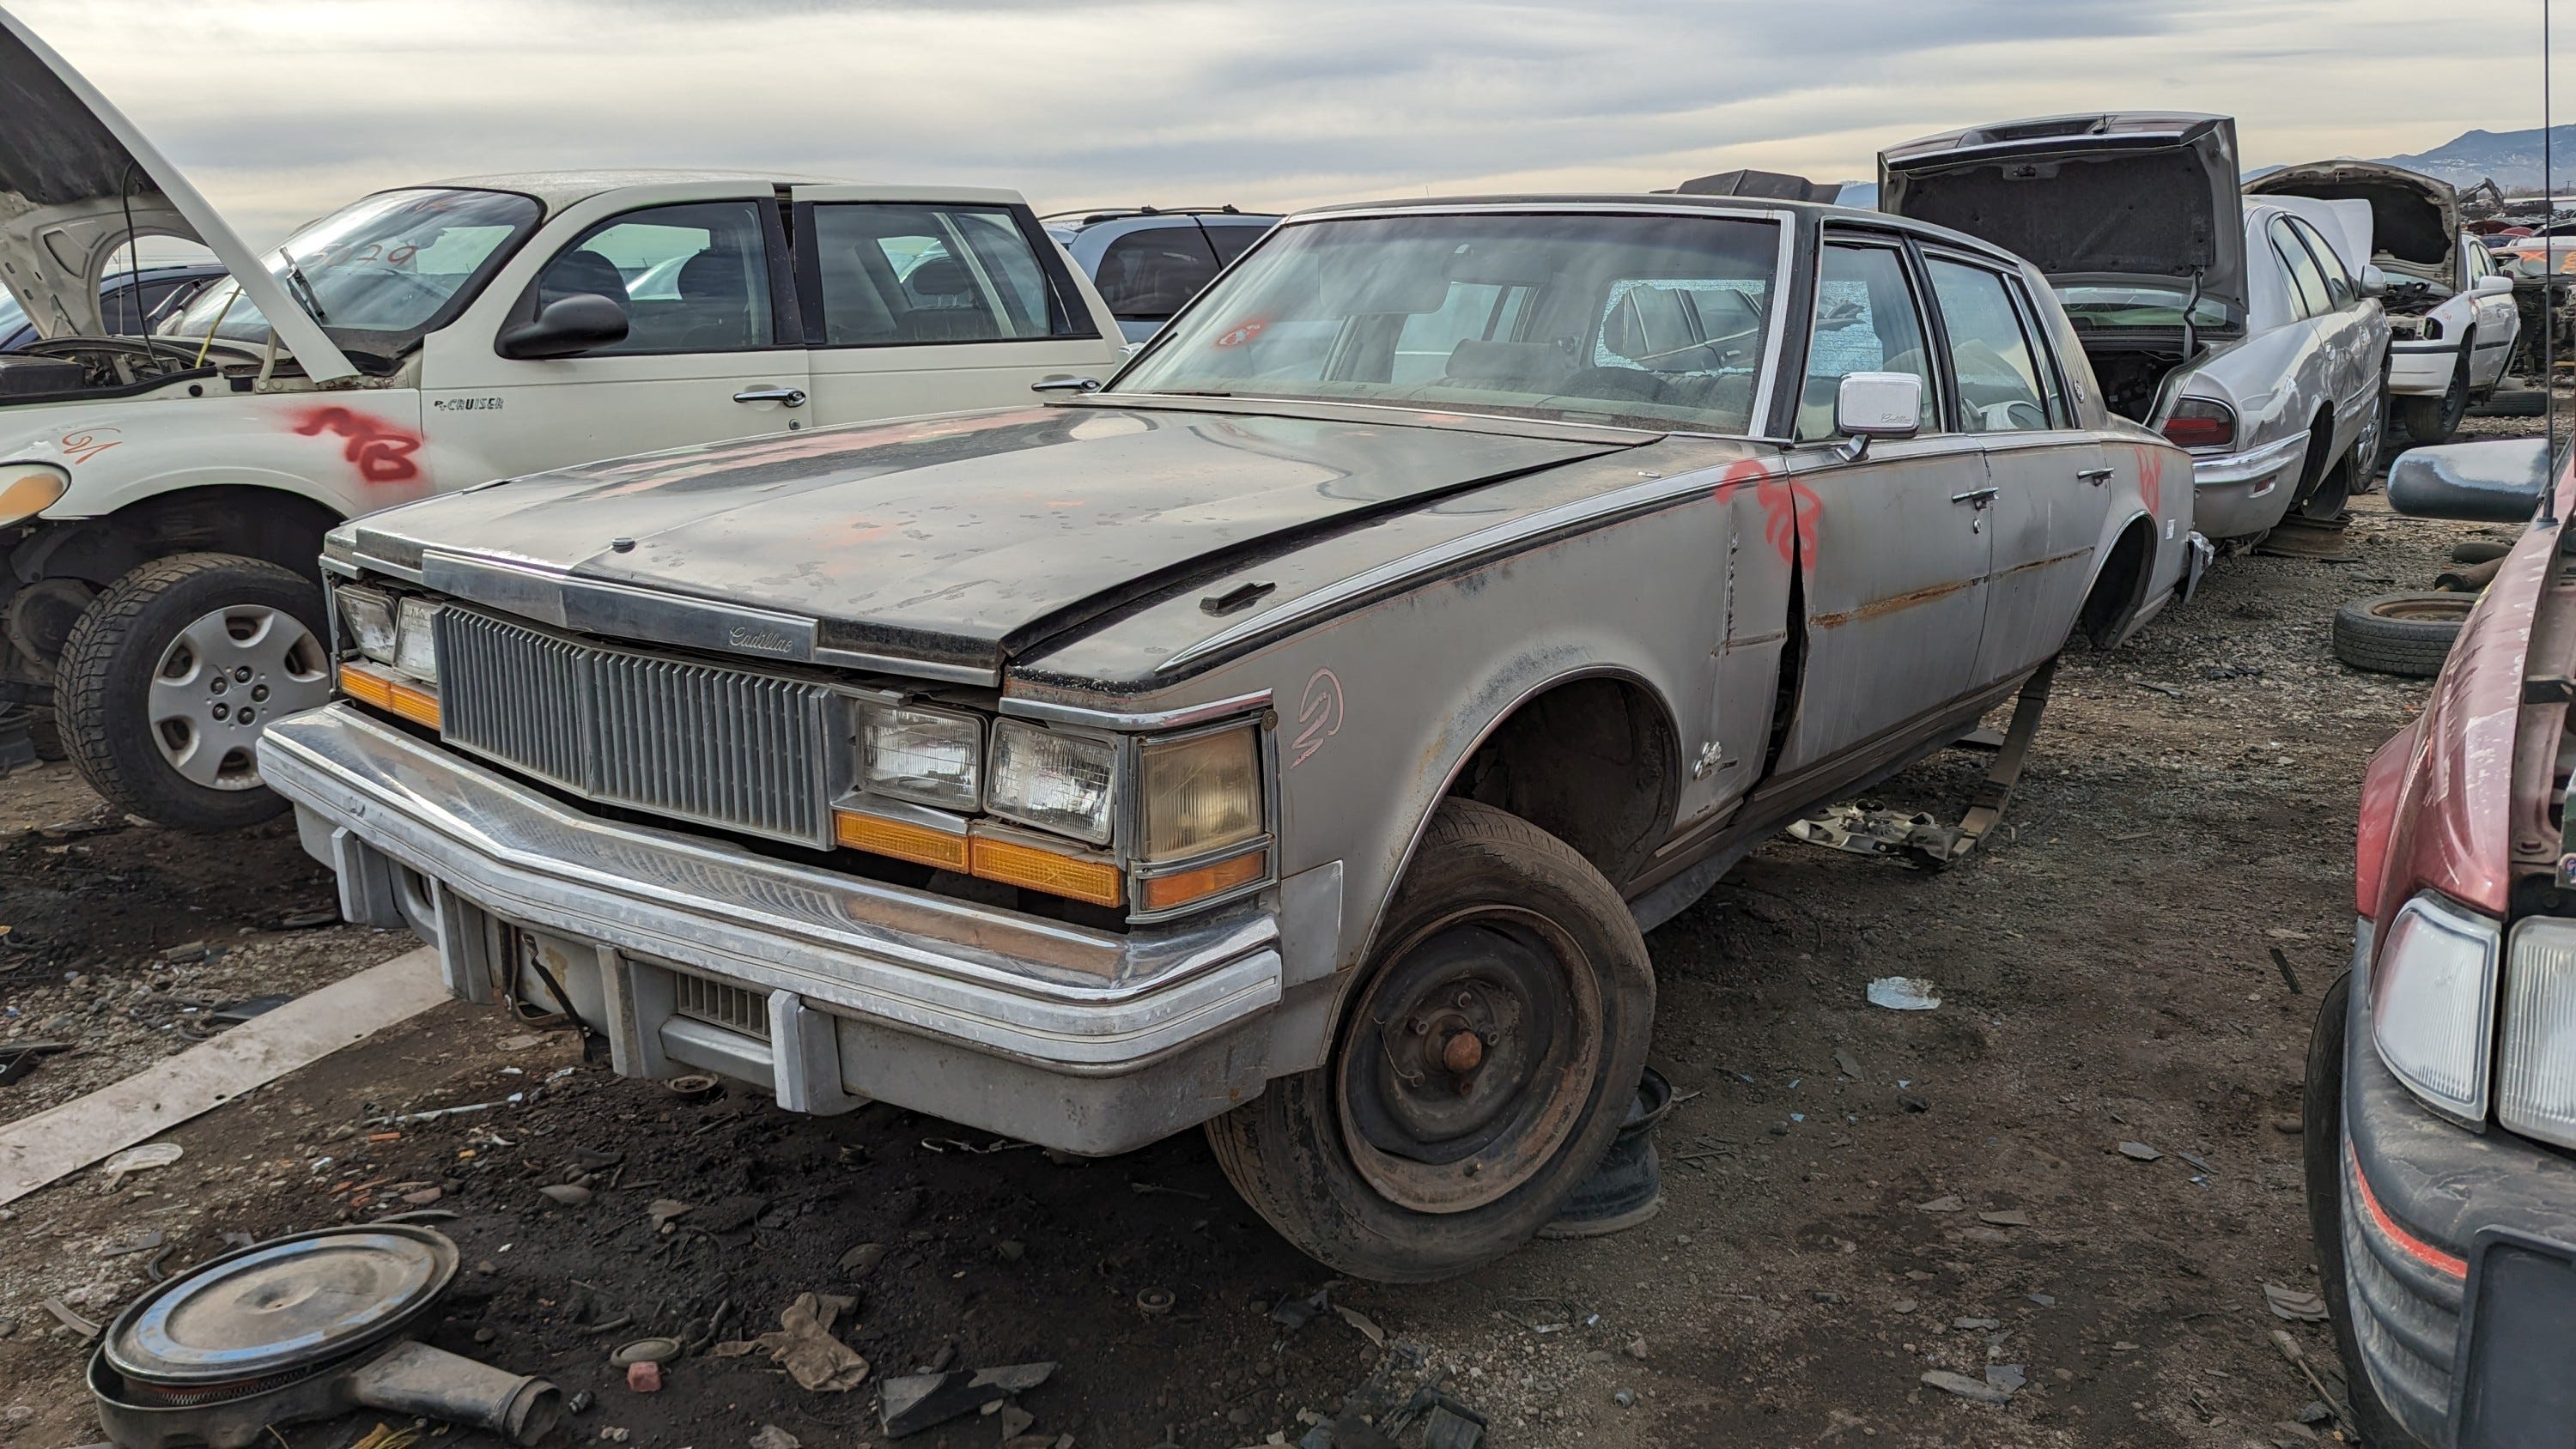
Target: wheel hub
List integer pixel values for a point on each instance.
(1468, 1060)
(221, 680)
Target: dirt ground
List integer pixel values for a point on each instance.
(2106, 973)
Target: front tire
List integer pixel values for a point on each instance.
(171, 675)
(2431, 420)
(1492, 1044)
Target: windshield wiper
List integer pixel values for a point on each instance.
(303, 288)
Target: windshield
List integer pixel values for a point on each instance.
(2133, 306)
(378, 274)
(1647, 321)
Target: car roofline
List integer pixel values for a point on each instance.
(1660, 203)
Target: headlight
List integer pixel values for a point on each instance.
(927, 756)
(416, 641)
(2536, 1065)
(369, 618)
(1052, 781)
(1201, 794)
(2432, 1004)
(27, 489)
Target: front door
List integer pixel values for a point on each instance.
(1894, 549)
(711, 349)
(2046, 515)
(936, 305)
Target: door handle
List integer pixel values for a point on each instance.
(1975, 497)
(794, 397)
(1061, 383)
(2095, 476)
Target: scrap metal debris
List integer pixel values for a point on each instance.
(915, 1402)
(1875, 830)
(1904, 993)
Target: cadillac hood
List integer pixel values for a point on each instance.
(2414, 218)
(957, 542)
(75, 175)
(2130, 199)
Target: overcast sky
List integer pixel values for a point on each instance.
(283, 109)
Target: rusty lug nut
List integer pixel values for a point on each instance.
(1463, 1052)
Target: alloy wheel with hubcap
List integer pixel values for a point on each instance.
(171, 674)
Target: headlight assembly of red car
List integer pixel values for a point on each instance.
(2432, 1004)
(2536, 1052)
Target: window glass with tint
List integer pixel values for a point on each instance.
(2307, 284)
(1639, 320)
(690, 278)
(2340, 291)
(898, 275)
(1146, 275)
(1233, 238)
(1866, 321)
(1990, 356)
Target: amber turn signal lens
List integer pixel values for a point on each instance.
(394, 696)
(1011, 863)
(901, 839)
(1169, 892)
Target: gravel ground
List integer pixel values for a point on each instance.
(1854, 1196)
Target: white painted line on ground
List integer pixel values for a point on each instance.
(64, 1139)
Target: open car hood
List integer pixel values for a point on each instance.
(2141, 198)
(2414, 218)
(72, 170)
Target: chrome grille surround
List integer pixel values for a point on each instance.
(723, 747)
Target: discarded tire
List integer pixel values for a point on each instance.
(2408, 634)
(1627, 1189)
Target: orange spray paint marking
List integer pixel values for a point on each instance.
(1241, 333)
(381, 450)
(86, 443)
(1790, 509)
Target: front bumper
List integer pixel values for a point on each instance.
(2422, 367)
(841, 989)
(2442, 1225)
(2236, 494)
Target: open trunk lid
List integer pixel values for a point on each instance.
(2414, 218)
(2145, 198)
(73, 170)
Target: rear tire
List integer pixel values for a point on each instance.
(2431, 420)
(1394, 1162)
(2405, 634)
(171, 675)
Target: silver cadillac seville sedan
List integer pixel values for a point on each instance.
(1293, 736)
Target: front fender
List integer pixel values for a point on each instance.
(350, 451)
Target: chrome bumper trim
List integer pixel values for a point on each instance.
(1059, 997)
(2254, 463)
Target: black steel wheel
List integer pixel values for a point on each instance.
(2431, 420)
(1482, 1066)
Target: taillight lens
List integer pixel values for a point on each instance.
(2200, 423)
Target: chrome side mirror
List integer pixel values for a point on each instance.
(2492, 482)
(2374, 282)
(1877, 405)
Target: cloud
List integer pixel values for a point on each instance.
(281, 109)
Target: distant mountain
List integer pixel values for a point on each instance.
(2511, 158)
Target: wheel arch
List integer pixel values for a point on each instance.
(281, 525)
(2122, 575)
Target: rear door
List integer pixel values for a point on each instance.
(2046, 515)
(2341, 323)
(936, 302)
(1894, 549)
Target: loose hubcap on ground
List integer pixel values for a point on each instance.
(1468, 1060)
(219, 683)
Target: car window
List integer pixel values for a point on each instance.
(2340, 290)
(1146, 275)
(1573, 316)
(1233, 238)
(2307, 284)
(1990, 358)
(690, 278)
(1866, 321)
(902, 275)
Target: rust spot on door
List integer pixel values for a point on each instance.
(1880, 608)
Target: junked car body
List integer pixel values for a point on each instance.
(2245, 330)
(1293, 737)
(162, 498)
(2441, 1085)
(2451, 317)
